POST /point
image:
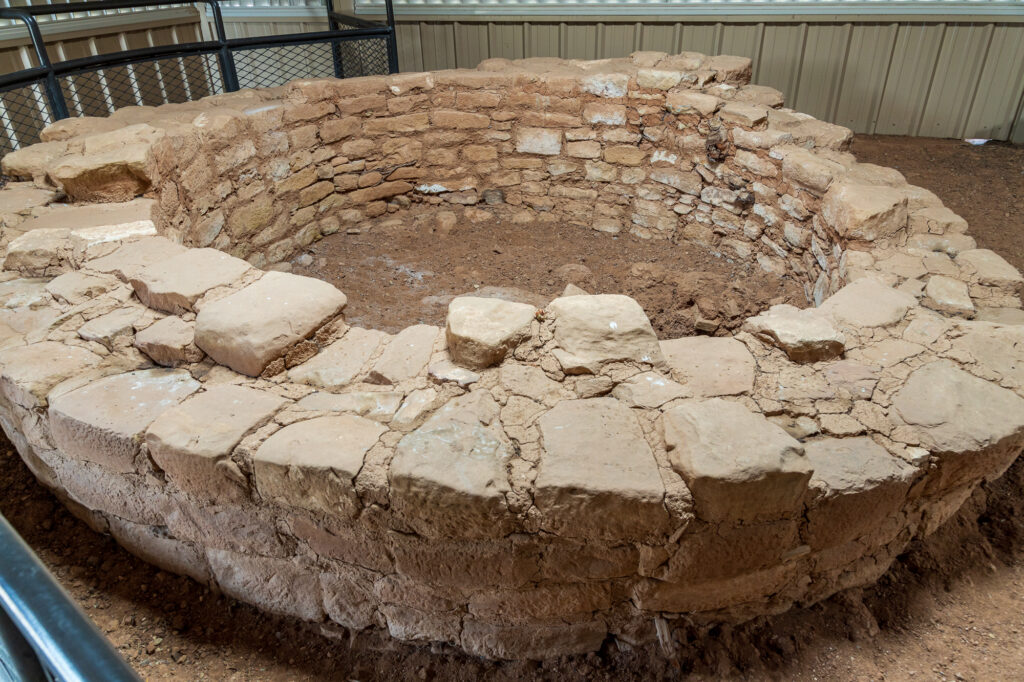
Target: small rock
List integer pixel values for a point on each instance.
(805, 335)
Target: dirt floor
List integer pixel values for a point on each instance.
(951, 608)
(399, 276)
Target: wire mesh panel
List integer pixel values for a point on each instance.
(151, 83)
(269, 67)
(24, 112)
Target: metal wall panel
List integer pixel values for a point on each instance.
(899, 75)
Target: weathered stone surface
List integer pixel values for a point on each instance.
(27, 373)
(865, 212)
(113, 174)
(106, 328)
(174, 285)
(339, 364)
(406, 355)
(739, 466)
(481, 331)
(975, 428)
(192, 441)
(169, 342)
(591, 330)
(868, 303)
(597, 475)
(805, 335)
(312, 464)
(856, 485)
(95, 229)
(649, 390)
(251, 327)
(103, 422)
(376, 405)
(449, 478)
(275, 585)
(150, 545)
(130, 260)
(710, 366)
(989, 268)
(40, 253)
(948, 295)
(79, 286)
(809, 170)
(534, 641)
(32, 162)
(545, 141)
(687, 100)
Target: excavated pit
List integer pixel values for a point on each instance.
(405, 270)
(529, 479)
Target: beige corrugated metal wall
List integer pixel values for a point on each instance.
(902, 76)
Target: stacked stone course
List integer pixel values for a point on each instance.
(524, 482)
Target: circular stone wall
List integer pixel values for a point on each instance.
(523, 482)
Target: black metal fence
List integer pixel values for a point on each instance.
(98, 85)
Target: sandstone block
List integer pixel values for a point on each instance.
(104, 421)
(856, 485)
(169, 342)
(606, 84)
(192, 442)
(106, 328)
(649, 390)
(151, 546)
(40, 253)
(275, 585)
(625, 155)
(738, 465)
(481, 331)
(689, 101)
(948, 295)
(406, 355)
(688, 183)
(114, 174)
(808, 170)
(598, 113)
(33, 162)
(863, 212)
(445, 118)
(743, 113)
(974, 428)
(805, 335)
(867, 302)
(449, 477)
(658, 79)
(543, 141)
(597, 476)
(131, 259)
(79, 286)
(312, 464)
(989, 268)
(176, 284)
(592, 330)
(340, 363)
(256, 325)
(710, 366)
(27, 373)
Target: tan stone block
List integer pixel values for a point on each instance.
(459, 119)
(625, 155)
(175, 284)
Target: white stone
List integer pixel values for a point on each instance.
(592, 330)
(805, 335)
(710, 366)
(481, 331)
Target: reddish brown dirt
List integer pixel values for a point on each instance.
(984, 184)
(396, 277)
(951, 608)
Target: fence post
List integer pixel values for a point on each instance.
(332, 23)
(392, 39)
(54, 94)
(227, 60)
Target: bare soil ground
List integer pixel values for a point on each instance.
(951, 608)
(395, 277)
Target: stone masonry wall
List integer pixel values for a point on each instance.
(522, 482)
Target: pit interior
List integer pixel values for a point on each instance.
(405, 270)
(516, 180)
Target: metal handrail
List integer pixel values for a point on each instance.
(65, 643)
(48, 72)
